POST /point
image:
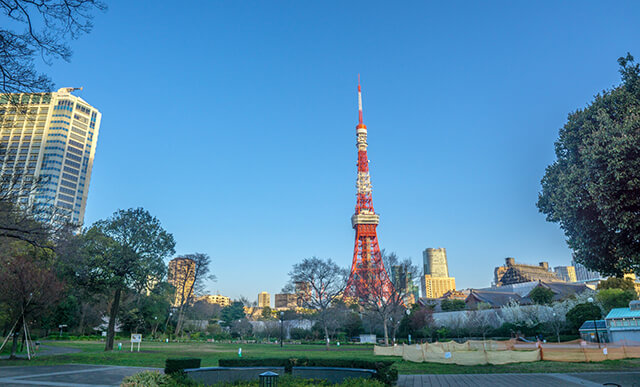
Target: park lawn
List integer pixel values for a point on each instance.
(154, 354)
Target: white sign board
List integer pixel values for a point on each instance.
(136, 338)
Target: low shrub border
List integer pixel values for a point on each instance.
(385, 372)
(178, 365)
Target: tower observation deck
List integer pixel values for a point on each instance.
(368, 276)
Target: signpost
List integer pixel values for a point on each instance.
(136, 338)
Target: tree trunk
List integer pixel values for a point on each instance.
(16, 336)
(180, 317)
(112, 320)
(386, 331)
(326, 335)
(83, 313)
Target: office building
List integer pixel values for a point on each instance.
(513, 273)
(264, 300)
(182, 274)
(47, 146)
(566, 273)
(435, 262)
(403, 282)
(435, 280)
(435, 287)
(286, 301)
(216, 299)
(584, 274)
(303, 293)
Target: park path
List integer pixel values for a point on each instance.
(70, 375)
(630, 379)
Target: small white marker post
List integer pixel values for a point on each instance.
(136, 338)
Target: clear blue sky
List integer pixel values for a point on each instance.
(234, 124)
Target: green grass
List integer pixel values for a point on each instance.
(155, 354)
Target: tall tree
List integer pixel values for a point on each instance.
(326, 281)
(127, 251)
(47, 24)
(190, 280)
(593, 188)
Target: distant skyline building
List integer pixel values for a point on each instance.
(285, 301)
(435, 280)
(584, 274)
(512, 273)
(182, 274)
(47, 146)
(303, 292)
(402, 281)
(566, 273)
(435, 262)
(216, 299)
(264, 299)
(436, 287)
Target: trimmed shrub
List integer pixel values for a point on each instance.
(172, 366)
(385, 372)
(146, 379)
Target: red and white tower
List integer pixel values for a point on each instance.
(368, 276)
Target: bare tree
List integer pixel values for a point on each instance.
(47, 24)
(389, 307)
(482, 321)
(189, 281)
(326, 281)
(28, 284)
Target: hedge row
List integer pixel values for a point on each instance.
(385, 373)
(172, 366)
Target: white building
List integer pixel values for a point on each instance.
(49, 139)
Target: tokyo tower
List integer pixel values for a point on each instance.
(368, 278)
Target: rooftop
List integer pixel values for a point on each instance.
(623, 313)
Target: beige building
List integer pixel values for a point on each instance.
(435, 262)
(264, 300)
(216, 299)
(303, 293)
(286, 301)
(436, 281)
(513, 273)
(182, 274)
(566, 273)
(48, 138)
(435, 287)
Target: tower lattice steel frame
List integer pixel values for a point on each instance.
(368, 276)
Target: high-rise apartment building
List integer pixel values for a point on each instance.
(47, 146)
(264, 300)
(286, 301)
(435, 280)
(216, 299)
(566, 273)
(435, 287)
(435, 262)
(182, 275)
(584, 274)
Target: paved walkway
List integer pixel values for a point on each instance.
(71, 375)
(78, 375)
(593, 379)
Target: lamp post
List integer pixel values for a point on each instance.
(408, 312)
(167, 323)
(595, 323)
(281, 328)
